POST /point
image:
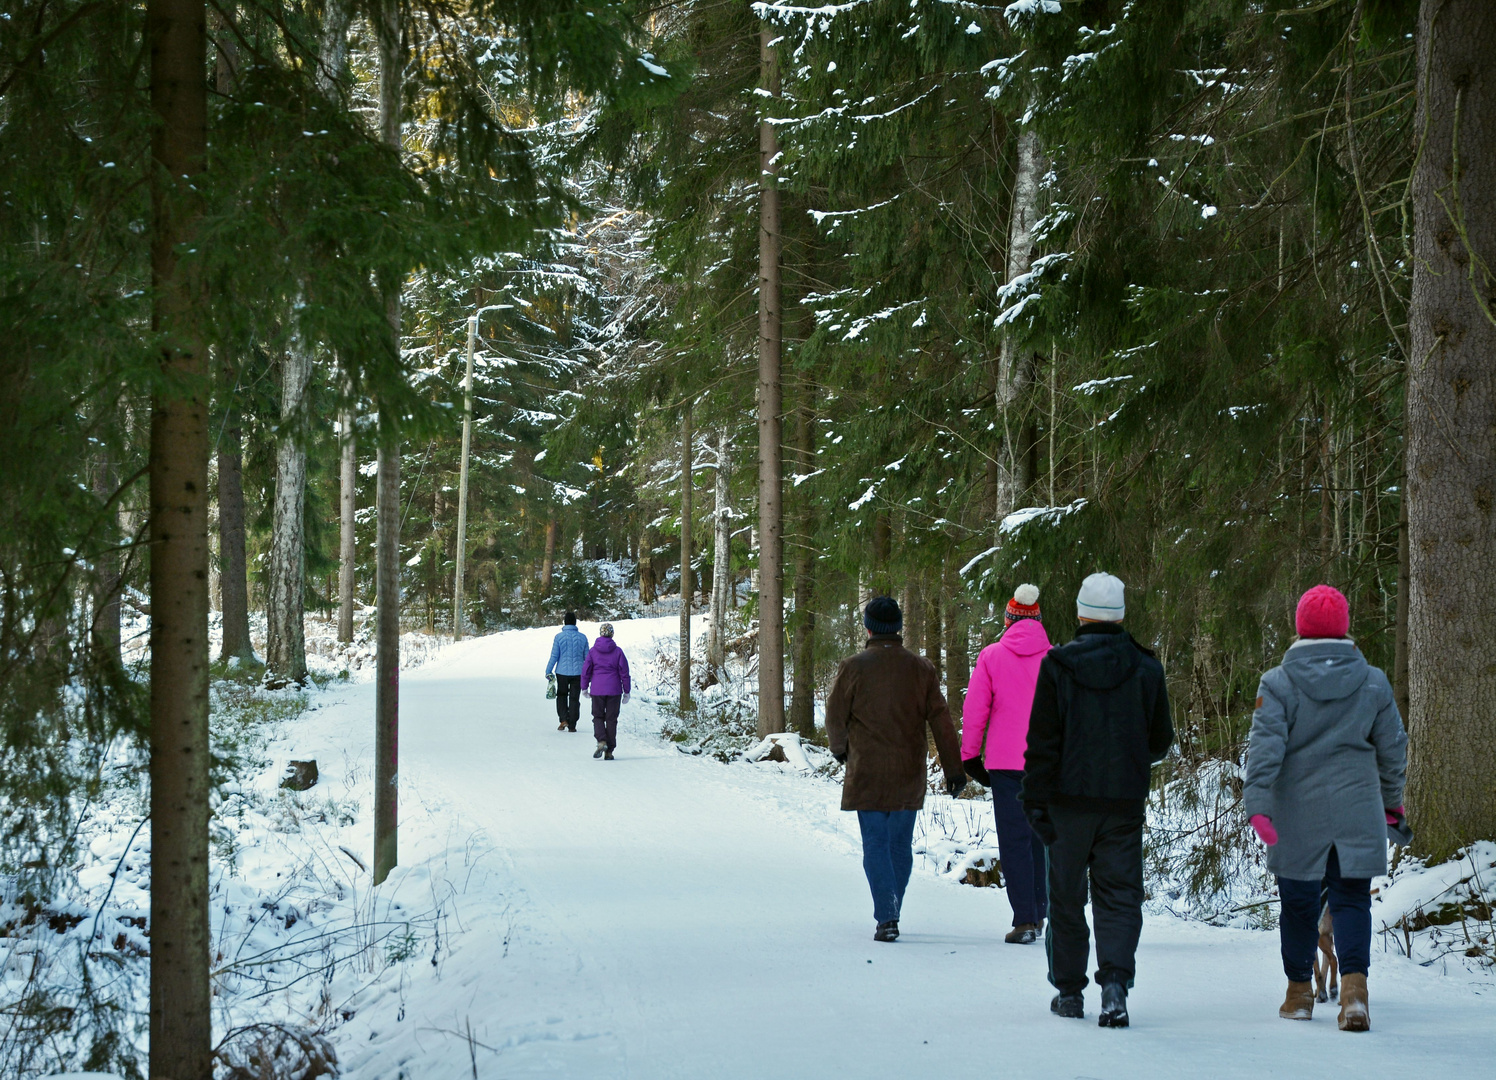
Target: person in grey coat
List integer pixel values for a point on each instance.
(1325, 768)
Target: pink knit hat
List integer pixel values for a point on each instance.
(1323, 612)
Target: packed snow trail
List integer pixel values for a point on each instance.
(667, 916)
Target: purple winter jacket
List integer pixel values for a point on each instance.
(606, 670)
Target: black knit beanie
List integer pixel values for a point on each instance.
(883, 616)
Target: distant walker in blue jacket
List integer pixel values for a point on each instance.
(568, 654)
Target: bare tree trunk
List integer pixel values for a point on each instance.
(721, 551)
(957, 649)
(104, 631)
(1451, 442)
(646, 568)
(802, 716)
(233, 571)
(770, 468)
(914, 614)
(181, 1027)
(285, 631)
(387, 543)
(548, 565)
(685, 556)
(347, 516)
(459, 581)
(934, 627)
(1014, 370)
(881, 581)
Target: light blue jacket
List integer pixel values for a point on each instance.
(568, 652)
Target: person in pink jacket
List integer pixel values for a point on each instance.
(994, 735)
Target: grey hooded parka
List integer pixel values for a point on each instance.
(1327, 755)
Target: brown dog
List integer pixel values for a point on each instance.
(1325, 963)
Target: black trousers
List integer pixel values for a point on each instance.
(568, 699)
(605, 718)
(1107, 848)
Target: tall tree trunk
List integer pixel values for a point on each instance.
(347, 513)
(685, 556)
(914, 614)
(646, 568)
(881, 581)
(770, 469)
(104, 631)
(548, 564)
(1451, 442)
(181, 1026)
(387, 542)
(285, 630)
(1014, 369)
(459, 579)
(957, 650)
(721, 551)
(934, 627)
(802, 716)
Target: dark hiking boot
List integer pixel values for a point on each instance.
(1113, 1005)
(1023, 934)
(887, 931)
(1070, 1006)
(571, 727)
(602, 748)
(607, 755)
(1298, 1003)
(1355, 1012)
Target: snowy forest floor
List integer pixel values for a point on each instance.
(669, 915)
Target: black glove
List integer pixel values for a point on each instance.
(1040, 822)
(841, 759)
(1398, 830)
(977, 771)
(954, 784)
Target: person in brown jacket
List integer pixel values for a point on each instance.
(880, 705)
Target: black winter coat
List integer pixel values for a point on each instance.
(1100, 721)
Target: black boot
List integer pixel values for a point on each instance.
(887, 931)
(607, 755)
(1070, 1006)
(1113, 1005)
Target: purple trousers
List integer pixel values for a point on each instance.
(605, 718)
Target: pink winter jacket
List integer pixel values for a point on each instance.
(1001, 694)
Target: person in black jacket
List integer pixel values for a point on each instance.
(1100, 721)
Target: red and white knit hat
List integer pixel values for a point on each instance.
(1024, 605)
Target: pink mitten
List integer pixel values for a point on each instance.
(1262, 825)
(1395, 816)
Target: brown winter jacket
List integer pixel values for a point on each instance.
(880, 704)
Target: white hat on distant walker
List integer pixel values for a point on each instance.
(1100, 598)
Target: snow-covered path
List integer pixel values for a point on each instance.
(666, 916)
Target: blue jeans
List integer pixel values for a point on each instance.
(1350, 912)
(887, 857)
(1021, 851)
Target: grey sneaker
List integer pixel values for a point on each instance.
(602, 748)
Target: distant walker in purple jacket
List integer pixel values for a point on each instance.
(994, 735)
(605, 678)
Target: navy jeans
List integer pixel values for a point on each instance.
(1350, 912)
(1021, 850)
(887, 857)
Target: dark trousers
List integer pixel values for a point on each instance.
(1350, 912)
(605, 718)
(1107, 848)
(568, 699)
(887, 857)
(1022, 852)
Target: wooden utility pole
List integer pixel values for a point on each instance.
(181, 1023)
(387, 544)
(1451, 443)
(770, 422)
(462, 481)
(685, 557)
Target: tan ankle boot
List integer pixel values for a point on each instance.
(1355, 1012)
(1299, 1002)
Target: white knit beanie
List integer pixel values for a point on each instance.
(1100, 598)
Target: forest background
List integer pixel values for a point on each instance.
(920, 297)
